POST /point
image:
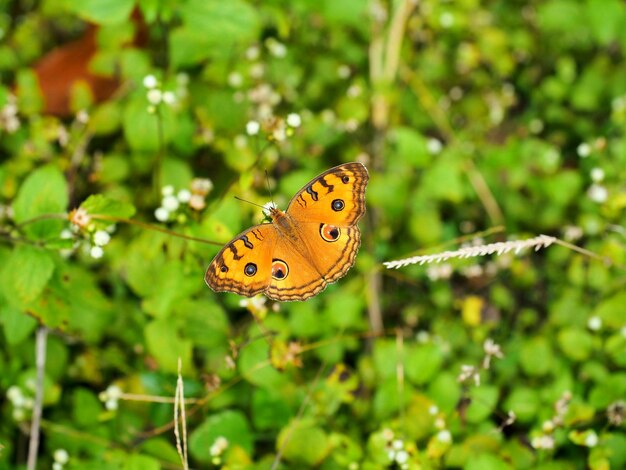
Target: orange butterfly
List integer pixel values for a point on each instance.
(310, 245)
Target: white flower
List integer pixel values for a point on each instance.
(387, 434)
(114, 392)
(61, 456)
(422, 336)
(184, 195)
(343, 71)
(201, 186)
(167, 190)
(101, 238)
(594, 323)
(433, 410)
(162, 214)
(150, 81)
(96, 252)
(434, 146)
(111, 405)
(82, 116)
(446, 19)
(543, 442)
(154, 96)
(253, 127)
(219, 446)
(182, 79)
(268, 207)
(597, 193)
(444, 436)
(591, 440)
(294, 120)
(57, 466)
(398, 444)
(402, 457)
(597, 174)
(14, 394)
(197, 202)
(276, 48)
(170, 203)
(252, 53)
(583, 150)
(235, 79)
(169, 97)
(354, 91)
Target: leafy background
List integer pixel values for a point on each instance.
(469, 115)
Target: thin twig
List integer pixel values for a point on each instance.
(153, 227)
(35, 424)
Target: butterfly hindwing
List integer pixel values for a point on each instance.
(244, 265)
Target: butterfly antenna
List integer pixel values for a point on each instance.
(249, 202)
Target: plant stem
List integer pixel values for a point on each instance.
(35, 424)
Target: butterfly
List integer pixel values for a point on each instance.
(310, 245)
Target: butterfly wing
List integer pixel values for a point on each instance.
(336, 197)
(244, 265)
(324, 214)
(308, 270)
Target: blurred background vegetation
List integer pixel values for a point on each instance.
(497, 117)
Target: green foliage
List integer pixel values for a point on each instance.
(470, 116)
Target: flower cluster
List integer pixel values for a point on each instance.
(22, 402)
(399, 452)
(156, 93)
(277, 129)
(172, 201)
(9, 120)
(217, 450)
(110, 397)
(545, 439)
(470, 372)
(61, 457)
(86, 234)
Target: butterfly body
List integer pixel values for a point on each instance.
(311, 244)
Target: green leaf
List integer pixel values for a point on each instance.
(231, 425)
(303, 443)
(524, 402)
(17, 324)
(97, 204)
(486, 462)
(24, 275)
(483, 402)
(86, 407)
(140, 462)
(536, 357)
(222, 23)
(269, 409)
(423, 362)
(103, 11)
(255, 367)
(607, 18)
(611, 311)
(576, 343)
(167, 346)
(146, 131)
(411, 147)
(43, 192)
